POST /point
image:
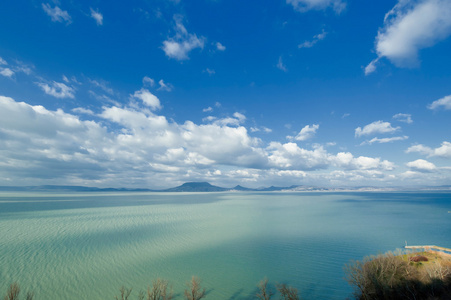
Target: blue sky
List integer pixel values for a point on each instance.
(287, 92)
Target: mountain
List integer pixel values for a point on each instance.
(196, 187)
(241, 189)
(277, 188)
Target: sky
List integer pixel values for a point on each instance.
(155, 93)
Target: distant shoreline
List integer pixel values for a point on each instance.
(205, 187)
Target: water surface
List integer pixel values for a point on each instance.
(87, 245)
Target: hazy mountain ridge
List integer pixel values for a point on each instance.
(207, 187)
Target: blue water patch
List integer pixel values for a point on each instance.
(86, 246)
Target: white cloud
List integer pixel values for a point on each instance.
(375, 128)
(208, 109)
(443, 151)
(348, 161)
(7, 72)
(182, 43)
(96, 15)
(147, 81)
(141, 148)
(444, 103)
(385, 140)
(57, 89)
(164, 86)
(306, 5)
(421, 165)
(291, 156)
(307, 132)
(148, 98)
(281, 66)
(237, 120)
(220, 47)
(3, 62)
(81, 110)
(409, 27)
(263, 128)
(371, 67)
(210, 71)
(406, 118)
(316, 39)
(56, 14)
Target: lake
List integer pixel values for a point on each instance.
(88, 245)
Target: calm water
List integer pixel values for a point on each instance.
(86, 246)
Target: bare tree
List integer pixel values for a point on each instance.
(159, 290)
(13, 292)
(287, 292)
(125, 293)
(195, 291)
(264, 292)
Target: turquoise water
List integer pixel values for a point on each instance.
(86, 246)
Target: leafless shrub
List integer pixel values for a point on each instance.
(264, 292)
(14, 291)
(287, 292)
(159, 290)
(194, 290)
(438, 270)
(125, 293)
(388, 276)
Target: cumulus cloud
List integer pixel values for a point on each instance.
(307, 132)
(179, 46)
(316, 39)
(7, 72)
(57, 89)
(421, 165)
(96, 15)
(291, 156)
(147, 98)
(56, 14)
(348, 161)
(208, 109)
(409, 27)
(142, 148)
(385, 140)
(375, 128)
(306, 5)
(444, 103)
(443, 151)
(406, 118)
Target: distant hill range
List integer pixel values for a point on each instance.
(207, 187)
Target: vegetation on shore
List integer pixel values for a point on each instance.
(393, 275)
(389, 276)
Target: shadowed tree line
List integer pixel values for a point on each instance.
(389, 276)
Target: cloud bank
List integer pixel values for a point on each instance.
(133, 146)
